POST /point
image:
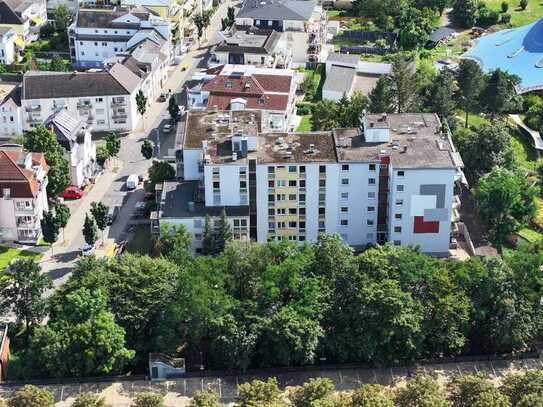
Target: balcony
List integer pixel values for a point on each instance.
(23, 223)
(33, 108)
(84, 105)
(119, 115)
(34, 119)
(118, 102)
(24, 210)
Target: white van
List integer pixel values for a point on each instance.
(132, 181)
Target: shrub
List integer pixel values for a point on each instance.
(505, 6)
(506, 18)
(523, 4)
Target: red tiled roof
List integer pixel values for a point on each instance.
(21, 182)
(274, 83)
(270, 102)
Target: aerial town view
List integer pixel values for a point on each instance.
(271, 203)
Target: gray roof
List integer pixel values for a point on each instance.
(339, 79)
(47, 85)
(373, 68)
(441, 33)
(252, 42)
(177, 195)
(343, 58)
(66, 127)
(104, 18)
(300, 10)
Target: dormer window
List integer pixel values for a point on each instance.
(228, 85)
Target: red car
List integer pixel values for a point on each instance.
(72, 193)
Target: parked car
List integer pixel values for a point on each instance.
(87, 250)
(167, 128)
(162, 97)
(132, 181)
(72, 193)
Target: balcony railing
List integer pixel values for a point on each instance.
(84, 106)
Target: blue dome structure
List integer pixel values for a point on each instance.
(518, 51)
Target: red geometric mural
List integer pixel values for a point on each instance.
(420, 226)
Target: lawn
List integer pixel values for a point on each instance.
(518, 16)
(530, 235)
(305, 124)
(7, 254)
(525, 154)
(317, 78)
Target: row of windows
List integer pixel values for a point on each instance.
(238, 223)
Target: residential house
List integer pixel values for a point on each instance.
(263, 48)
(23, 195)
(99, 34)
(74, 135)
(25, 17)
(177, 12)
(8, 54)
(106, 99)
(301, 22)
(241, 87)
(391, 180)
(4, 352)
(11, 114)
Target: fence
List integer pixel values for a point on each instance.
(122, 390)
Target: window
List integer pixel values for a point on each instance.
(302, 183)
(281, 211)
(322, 211)
(292, 168)
(371, 181)
(271, 184)
(292, 197)
(243, 184)
(371, 208)
(371, 195)
(242, 171)
(322, 197)
(301, 238)
(397, 229)
(95, 44)
(322, 183)
(322, 169)
(271, 225)
(399, 202)
(301, 211)
(397, 242)
(399, 188)
(372, 167)
(302, 225)
(280, 197)
(271, 198)
(301, 198)
(345, 167)
(344, 195)
(292, 224)
(216, 185)
(401, 173)
(302, 168)
(271, 170)
(397, 216)
(197, 236)
(344, 222)
(270, 23)
(370, 222)
(257, 22)
(344, 181)
(228, 84)
(99, 99)
(271, 212)
(115, 49)
(197, 223)
(216, 170)
(321, 225)
(281, 183)
(344, 209)
(292, 211)
(292, 183)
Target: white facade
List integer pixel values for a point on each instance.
(7, 47)
(82, 158)
(11, 116)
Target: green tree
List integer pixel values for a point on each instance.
(208, 241)
(49, 227)
(207, 398)
(381, 99)
(159, 172)
(57, 64)
(371, 395)
(21, 292)
(62, 17)
(325, 115)
(147, 149)
(403, 85)
(31, 396)
(89, 400)
(350, 109)
(223, 232)
(421, 391)
(174, 243)
(173, 108)
(415, 26)
(42, 140)
(521, 388)
(482, 150)
(499, 95)
(113, 145)
(81, 338)
(313, 390)
(475, 390)
(148, 399)
(99, 212)
(505, 202)
(504, 6)
(258, 393)
(441, 94)
(465, 13)
(201, 21)
(523, 4)
(89, 230)
(62, 215)
(471, 83)
(141, 104)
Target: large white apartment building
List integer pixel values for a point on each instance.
(302, 24)
(104, 100)
(23, 195)
(391, 180)
(99, 34)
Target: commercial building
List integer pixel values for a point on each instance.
(392, 179)
(76, 139)
(241, 87)
(99, 34)
(25, 17)
(23, 195)
(302, 23)
(260, 47)
(105, 100)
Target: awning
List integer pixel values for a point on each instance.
(19, 42)
(37, 20)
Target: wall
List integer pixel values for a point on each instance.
(229, 185)
(191, 161)
(11, 120)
